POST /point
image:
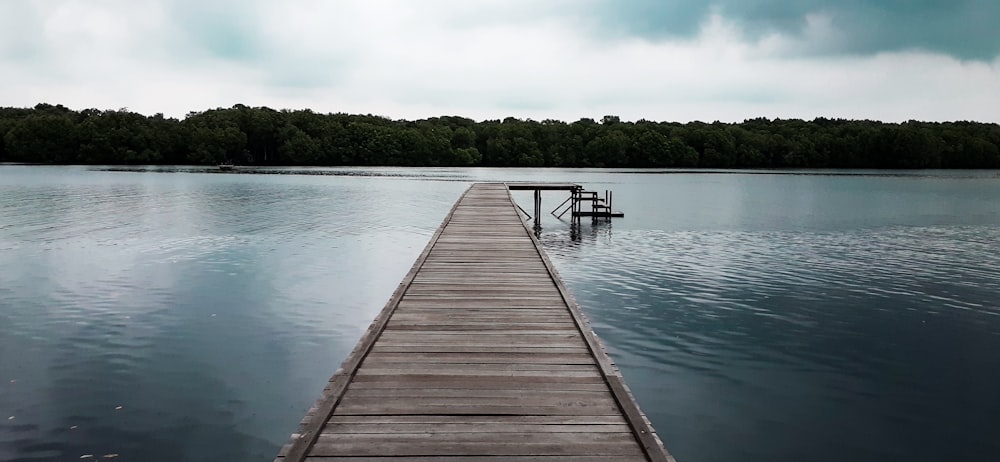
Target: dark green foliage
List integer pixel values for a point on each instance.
(263, 136)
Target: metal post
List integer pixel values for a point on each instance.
(561, 206)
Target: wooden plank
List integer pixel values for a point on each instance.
(401, 404)
(410, 316)
(473, 312)
(463, 280)
(542, 315)
(498, 289)
(499, 344)
(541, 336)
(472, 428)
(590, 383)
(481, 370)
(453, 335)
(417, 362)
(478, 294)
(531, 186)
(470, 371)
(459, 444)
(494, 405)
(499, 349)
(482, 315)
(505, 458)
(479, 327)
(497, 301)
(501, 290)
(416, 316)
(479, 358)
(417, 319)
(477, 393)
(463, 306)
(474, 419)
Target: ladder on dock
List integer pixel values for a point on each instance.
(580, 200)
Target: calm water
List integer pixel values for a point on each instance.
(186, 316)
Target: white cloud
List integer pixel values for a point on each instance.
(419, 59)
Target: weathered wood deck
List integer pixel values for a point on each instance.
(481, 354)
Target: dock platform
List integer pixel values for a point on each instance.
(481, 354)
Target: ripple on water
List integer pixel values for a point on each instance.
(212, 308)
(767, 328)
(164, 314)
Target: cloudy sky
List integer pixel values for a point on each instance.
(676, 60)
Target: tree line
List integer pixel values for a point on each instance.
(264, 136)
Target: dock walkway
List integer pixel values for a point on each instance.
(481, 354)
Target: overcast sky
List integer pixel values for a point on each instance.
(676, 60)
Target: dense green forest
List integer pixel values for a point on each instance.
(264, 136)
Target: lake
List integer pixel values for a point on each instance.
(179, 314)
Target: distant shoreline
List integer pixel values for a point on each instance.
(264, 137)
(398, 171)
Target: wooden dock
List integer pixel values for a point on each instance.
(481, 354)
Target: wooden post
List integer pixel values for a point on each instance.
(576, 205)
(538, 208)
